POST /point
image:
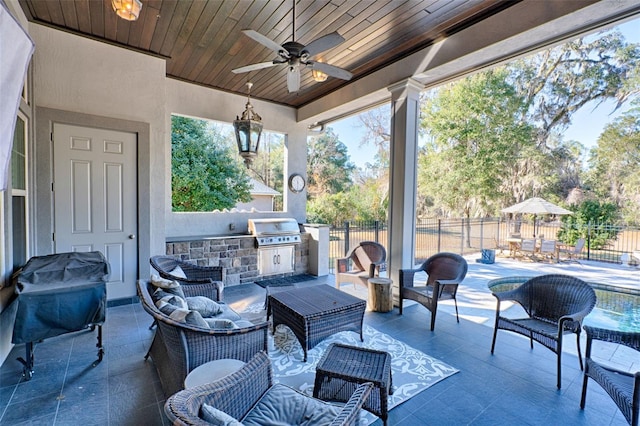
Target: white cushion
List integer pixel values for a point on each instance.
(282, 405)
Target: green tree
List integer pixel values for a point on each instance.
(205, 175)
(585, 221)
(328, 166)
(331, 208)
(495, 138)
(478, 150)
(377, 123)
(615, 164)
(559, 81)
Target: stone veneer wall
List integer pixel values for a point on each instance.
(238, 255)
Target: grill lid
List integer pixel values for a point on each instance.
(278, 226)
(278, 231)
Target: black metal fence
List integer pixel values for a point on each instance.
(468, 236)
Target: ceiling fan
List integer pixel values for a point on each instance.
(296, 55)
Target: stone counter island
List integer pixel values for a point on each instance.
(236, 253)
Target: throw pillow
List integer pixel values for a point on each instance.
(204, 305)
(157, 281)
(216, 417)
(166, 308)
(163, 292)
(182, 315)
(221, 324)
(171, 299)
(178, 272)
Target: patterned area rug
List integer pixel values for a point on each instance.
(285, 281)
(413, 371)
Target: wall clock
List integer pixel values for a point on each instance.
(296, 183)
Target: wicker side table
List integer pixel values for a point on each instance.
(342, 368)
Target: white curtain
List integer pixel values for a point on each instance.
(16, 48)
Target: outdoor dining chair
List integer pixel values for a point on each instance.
(572, 253)
(548, 249)
(623, 387)
(528, 248)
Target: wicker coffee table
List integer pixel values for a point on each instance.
(316, 312)
(342, 368)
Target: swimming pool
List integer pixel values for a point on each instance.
(617, 308)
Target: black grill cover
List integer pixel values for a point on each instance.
(60, 293)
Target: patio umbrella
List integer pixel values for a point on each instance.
(536, 206)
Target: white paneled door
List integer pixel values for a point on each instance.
(95, 199)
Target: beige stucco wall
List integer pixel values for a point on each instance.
(79, 75)
(108, 83)
(195, 101)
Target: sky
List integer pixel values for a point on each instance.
(587, 123)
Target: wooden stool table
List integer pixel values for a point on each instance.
(342, 368)
(380, 294)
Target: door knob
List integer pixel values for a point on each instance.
(132, 236)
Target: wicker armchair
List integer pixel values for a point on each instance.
(555, 304)
(444, 272)
(178, 348)
(198, 278)
(366, 260)
(239, 393)
(622, 386)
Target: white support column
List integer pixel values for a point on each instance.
(405, 111)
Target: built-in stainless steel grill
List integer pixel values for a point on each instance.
(275, 232)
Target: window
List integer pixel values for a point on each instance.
(208, 174)
(19, 182)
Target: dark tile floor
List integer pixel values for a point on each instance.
(516, 386)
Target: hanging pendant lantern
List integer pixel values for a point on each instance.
(248, 130)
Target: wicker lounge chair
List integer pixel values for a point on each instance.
(178, 348)
(243, 395)
(366, 259)
(444, 272)
(555, 304)
(622, 386)
(195, 275)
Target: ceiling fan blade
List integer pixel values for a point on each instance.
(265, 41)
(323, 43)
(253, 67)
(331, 70)
(293, 78)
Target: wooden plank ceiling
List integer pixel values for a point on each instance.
(202, 40)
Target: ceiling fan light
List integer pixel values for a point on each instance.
(319, 76)
(127, 9)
